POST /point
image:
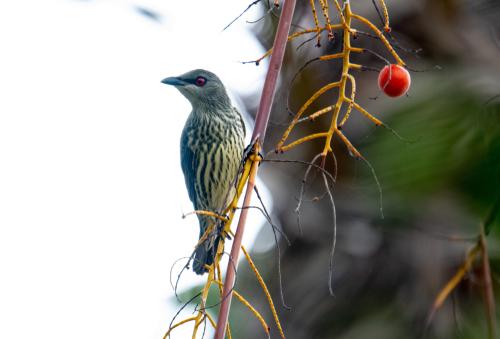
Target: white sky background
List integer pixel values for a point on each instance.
(91, 190)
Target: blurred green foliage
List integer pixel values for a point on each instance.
(457, 148)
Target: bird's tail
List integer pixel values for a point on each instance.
(205, 253)
(204, 256)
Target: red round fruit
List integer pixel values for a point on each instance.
(394, 80)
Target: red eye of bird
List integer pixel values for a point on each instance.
(200, 81)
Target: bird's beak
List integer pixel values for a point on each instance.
(174, 81)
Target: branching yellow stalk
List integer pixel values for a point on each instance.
(351, 102)
(250, 307)
(345, 72)
(346, 16)
(316, 21)
(207, 213)
(331, 56)
(266, 291)
(454, 281)
(302, 110)
(182, 322)
(387, 28)
(324, 9)
(296, 35)
(380, 36)
(302, 140)
(363, 111)
(317, 114)
(345, 102)
(341, 14)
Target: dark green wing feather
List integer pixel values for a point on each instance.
(188, 164)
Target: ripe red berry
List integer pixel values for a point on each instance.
(394, 80)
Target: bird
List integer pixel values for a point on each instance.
(211, 147)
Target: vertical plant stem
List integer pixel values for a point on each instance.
(259, 132)
(266, 100)
(489, 298)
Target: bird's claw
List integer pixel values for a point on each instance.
(250, 150)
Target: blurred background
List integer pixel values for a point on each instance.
(91, 195)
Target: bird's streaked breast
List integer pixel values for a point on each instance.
(217, 145)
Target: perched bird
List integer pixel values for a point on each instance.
(212, 145)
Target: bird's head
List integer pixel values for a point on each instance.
(200, 87)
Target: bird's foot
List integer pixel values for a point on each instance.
(250, 150)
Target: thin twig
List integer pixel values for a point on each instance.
(280, 279)
(302, 191)
(306, 163)
(239, 16)
(174, 287)
(269, 221)
(379, 187)
(334, 241)
(171, 326)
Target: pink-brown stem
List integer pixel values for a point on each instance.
(489, 297)
(259, 132)
(266, 100)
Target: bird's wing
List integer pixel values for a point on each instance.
(188, 165)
